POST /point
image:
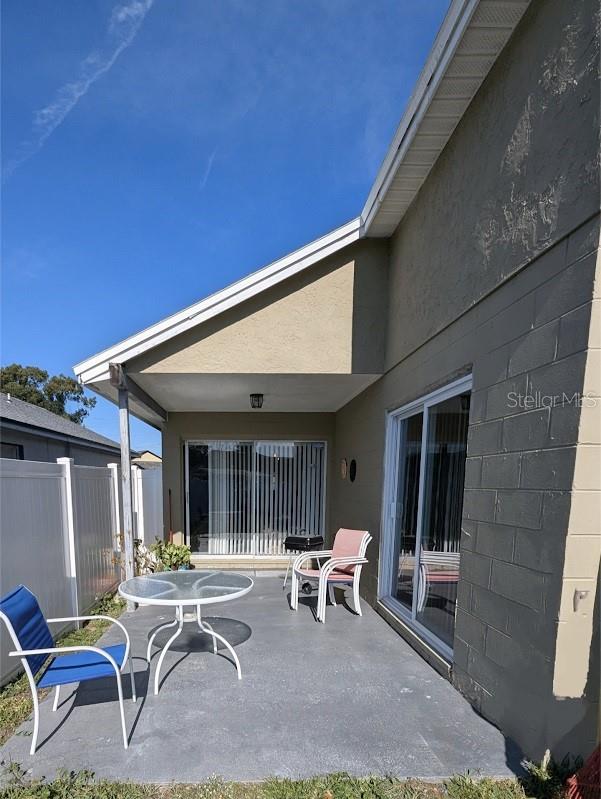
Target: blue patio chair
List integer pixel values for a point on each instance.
(20, 611)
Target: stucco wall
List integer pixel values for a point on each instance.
(183, 427)
(340, 301)
(492, 272)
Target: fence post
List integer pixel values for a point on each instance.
(138, 501)
(114, 472)
(67, 466)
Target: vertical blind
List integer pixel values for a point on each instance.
(261, 492)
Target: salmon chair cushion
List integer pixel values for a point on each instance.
(347, 544)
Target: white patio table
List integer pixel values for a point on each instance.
(186, 589)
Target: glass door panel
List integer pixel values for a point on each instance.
(441, 518)
(219, 497)
(289, 492)
(410, 446)
(427, 442)
(230, 498)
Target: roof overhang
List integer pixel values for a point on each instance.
(230, 393)
(469, 42)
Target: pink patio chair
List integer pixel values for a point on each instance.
(343, 567)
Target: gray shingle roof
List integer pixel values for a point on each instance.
(25, 413)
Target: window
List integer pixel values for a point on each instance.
(14, 451)
(425, 468)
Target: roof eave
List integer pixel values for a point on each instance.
(451, 31)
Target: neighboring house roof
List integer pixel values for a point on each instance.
(149, 455)
(147, 459)
(470, 39)
(25, 415)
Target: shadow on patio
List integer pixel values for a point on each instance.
(349, 695)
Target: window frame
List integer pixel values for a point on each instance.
(20, 452)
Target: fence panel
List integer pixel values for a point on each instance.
(147, 491)
(33, 541)
(95, 533)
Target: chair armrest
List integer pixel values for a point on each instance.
(93, 618)
(333, 563)
(63, 650)
(317, 553)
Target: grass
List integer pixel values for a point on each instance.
(334, 786)
(15, 697)
(81, 785)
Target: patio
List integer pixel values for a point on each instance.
(349, 695)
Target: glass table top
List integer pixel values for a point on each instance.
(191, 587)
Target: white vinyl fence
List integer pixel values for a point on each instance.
(59, 535)
(147, 494)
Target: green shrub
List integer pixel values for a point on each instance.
(547, 780)
(170, 556)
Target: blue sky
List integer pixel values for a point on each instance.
(156, 150)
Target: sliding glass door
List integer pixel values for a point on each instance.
(426, 451)
(246, 497)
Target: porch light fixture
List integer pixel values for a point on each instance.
(256, 400)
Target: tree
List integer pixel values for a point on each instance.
(32, 384)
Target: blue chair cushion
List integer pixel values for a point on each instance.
(81, 666)
(28, 623)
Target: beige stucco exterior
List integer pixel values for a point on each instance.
(578, 620)
(284, 330)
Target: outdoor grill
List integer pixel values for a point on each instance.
(295, 544)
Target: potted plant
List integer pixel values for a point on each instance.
(171, 557)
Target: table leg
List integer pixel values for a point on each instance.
(156, 632)
(179, 617)
(206, 628)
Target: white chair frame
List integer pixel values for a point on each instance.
(325, 587)
(63, 650)
(428, 559)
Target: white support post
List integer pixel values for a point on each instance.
(67, 466)
(128, 520)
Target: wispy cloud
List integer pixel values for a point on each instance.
(123, 25)
(209, 166)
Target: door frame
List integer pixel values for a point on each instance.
(253, 441)
(390, 507)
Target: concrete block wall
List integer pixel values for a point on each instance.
(519, 488)
(529, 420)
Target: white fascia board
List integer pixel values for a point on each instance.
(448, 39)
(96, 367)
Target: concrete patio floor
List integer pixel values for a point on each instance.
(349, 695)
